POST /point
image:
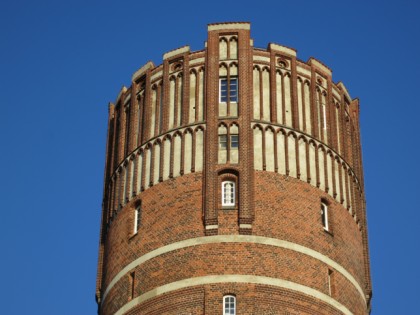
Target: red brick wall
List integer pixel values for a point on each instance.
(290, 211)
(268, 205)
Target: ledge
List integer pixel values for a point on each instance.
(178, 51)
(142, 70)
(229, 26)
(318, 64)
(282, 49)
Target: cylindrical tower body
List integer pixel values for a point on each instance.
(233, 185)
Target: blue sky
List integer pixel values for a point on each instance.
(61, 62)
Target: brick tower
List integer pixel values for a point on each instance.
(233, 185)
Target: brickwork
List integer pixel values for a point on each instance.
(168, 244)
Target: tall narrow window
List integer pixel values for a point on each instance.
(229, 305)
(324, 117)
(223, 142)
(132, 285)
(228, 193)
(324, 215)
(117, 136)
(223, 90)
(229, 90)
(161, 109)
(127, 129)
(137, 219)
(330, 282)
(233, 89)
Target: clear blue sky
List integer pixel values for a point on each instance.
(61, 62)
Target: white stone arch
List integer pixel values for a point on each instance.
(223, 48)
(233, 47)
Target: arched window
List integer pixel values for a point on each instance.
(228, 193)
(229, 305)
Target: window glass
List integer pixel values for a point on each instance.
(137, 219)
(233, 90)
(229, 305)
(228, 193)
(324, 215)
(223, 90)
(223, 142)
(234, 141)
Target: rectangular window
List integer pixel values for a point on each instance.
(132, 285)
(223, 90)
(324, 117)
(127, 128)
(330, 282)
(234, 141)
(137, 218)
(324, 215)
(228, 90)
(233, 91)
(223, 142)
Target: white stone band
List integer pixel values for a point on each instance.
(185, 283)
(212, 227)
(178, 51)
(229, 26)
(234, 239)
(283, 49)
(142, 70)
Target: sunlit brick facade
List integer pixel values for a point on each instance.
(233, 185)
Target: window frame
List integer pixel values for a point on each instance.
(221, 80)
(234, 98)
(324, 215)
(229, 299)
(223, 142)
(232, 142)
(227, 141)
(330, 282)
(137, 219)
(226, 82)
(232, 194)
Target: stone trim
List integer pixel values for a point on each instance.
(233, 239)
(229, 26)
(185, 283)
(178, 51)
(319, 65)
(121, 93)
(282, 49)
(142, 70)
